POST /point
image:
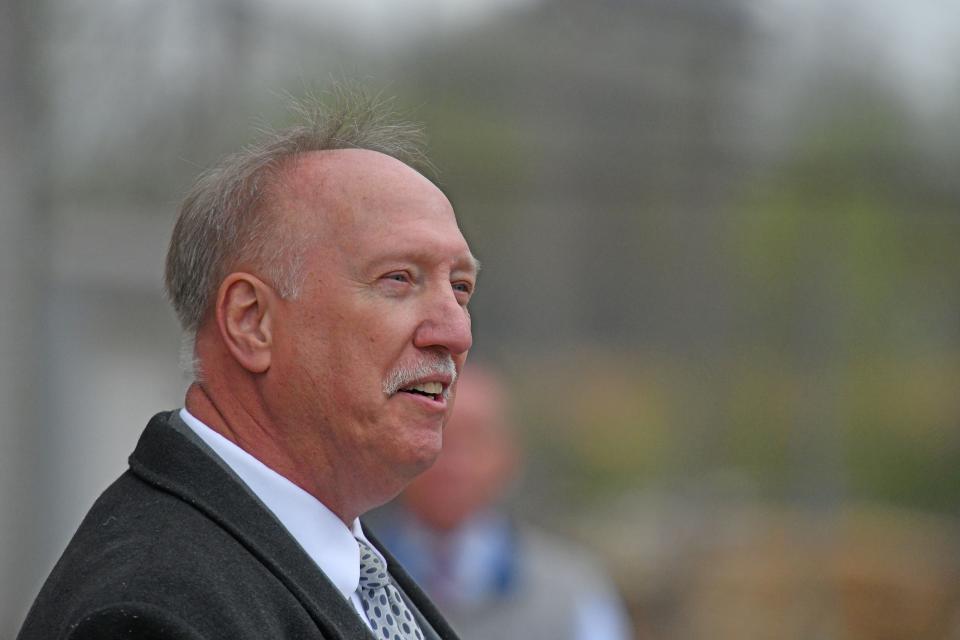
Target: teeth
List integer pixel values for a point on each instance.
(433, 388)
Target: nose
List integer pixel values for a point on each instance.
(445, 323)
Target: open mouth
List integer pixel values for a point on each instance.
(432, 390)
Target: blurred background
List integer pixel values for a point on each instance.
(720, 244)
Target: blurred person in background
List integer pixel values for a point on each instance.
(494, 577)
(325, 283)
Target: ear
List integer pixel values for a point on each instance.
(245, 307)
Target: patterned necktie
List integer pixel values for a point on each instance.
(389, 616)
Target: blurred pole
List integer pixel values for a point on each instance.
(23, 291)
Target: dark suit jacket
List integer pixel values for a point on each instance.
(178, 548)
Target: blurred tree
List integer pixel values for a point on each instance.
(845, 254)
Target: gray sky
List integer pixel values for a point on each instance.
(390, 22)
(915, 44)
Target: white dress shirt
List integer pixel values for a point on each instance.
(325, 538)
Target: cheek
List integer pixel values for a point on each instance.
(383, 341)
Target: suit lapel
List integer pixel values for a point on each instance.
(175, 461)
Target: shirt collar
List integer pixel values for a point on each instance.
(324, 537)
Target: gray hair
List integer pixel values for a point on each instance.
(225, 217)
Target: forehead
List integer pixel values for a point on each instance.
(355, 198)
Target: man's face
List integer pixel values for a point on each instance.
(388, 276)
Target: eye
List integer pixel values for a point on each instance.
(463, 290)
(398, 276)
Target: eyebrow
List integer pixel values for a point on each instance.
(475, 264)
(468, 262)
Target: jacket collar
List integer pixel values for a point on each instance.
(170, 457)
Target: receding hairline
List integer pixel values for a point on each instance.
(334, 163)
(288, 176)
(331, 180)
(225, 216)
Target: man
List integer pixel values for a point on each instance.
(325, 283)
(494, 577)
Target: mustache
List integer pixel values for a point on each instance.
(433, 365)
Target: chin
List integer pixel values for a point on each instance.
(422, 457)
(413, 449)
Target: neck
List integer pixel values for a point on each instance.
(251, 427)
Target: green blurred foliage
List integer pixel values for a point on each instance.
(843, 363)
(599, 422)
(845, 261)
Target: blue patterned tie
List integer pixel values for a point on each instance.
(388, 614)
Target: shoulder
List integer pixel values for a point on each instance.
(139, 620)
(139, 556)
(545, 553)
(573, 575)
(135, 531)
